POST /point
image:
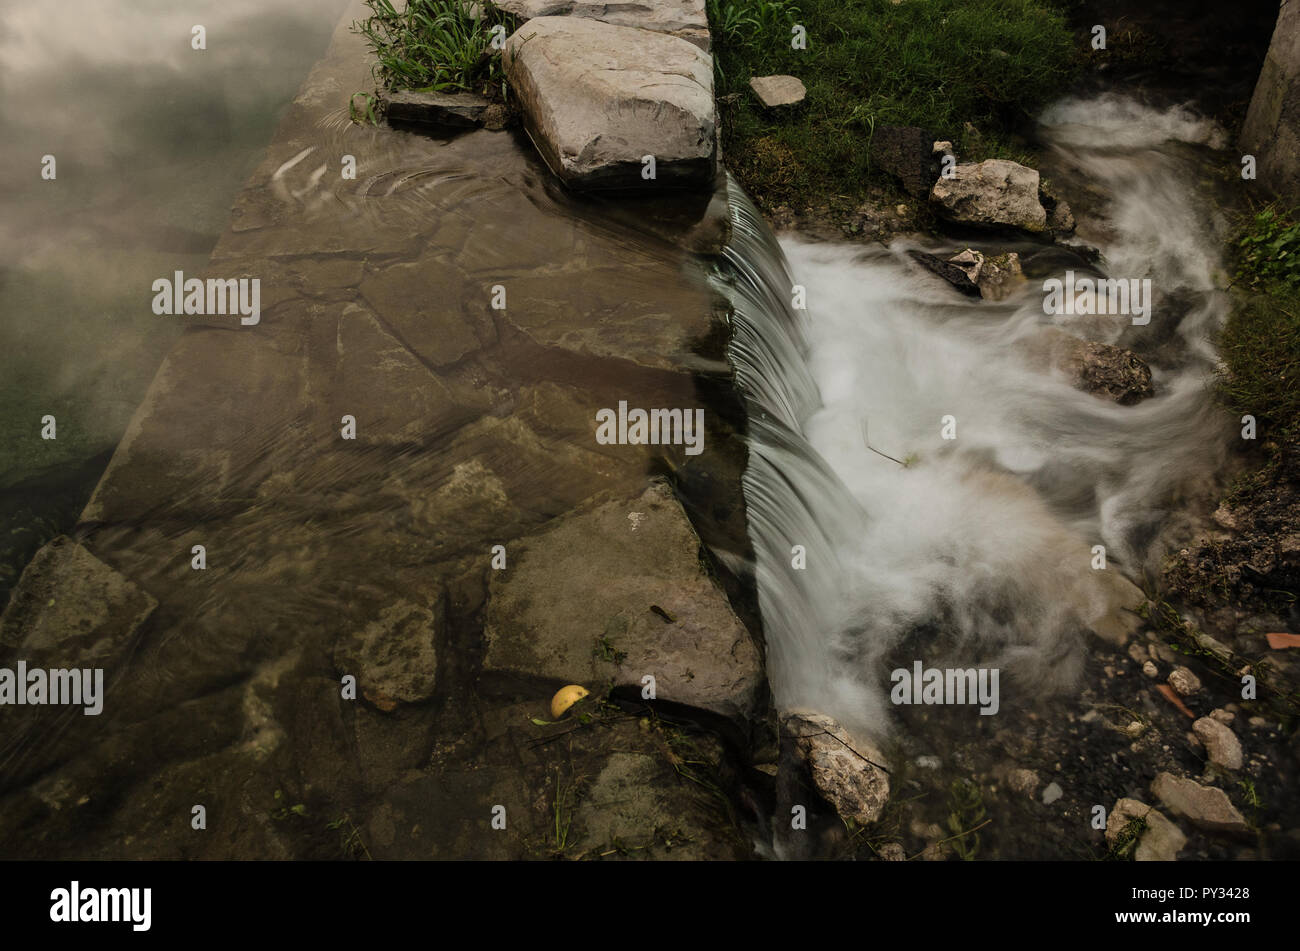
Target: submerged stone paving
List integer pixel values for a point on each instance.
(347, 466)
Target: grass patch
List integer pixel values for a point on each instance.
(1260, 343)
(436, 46)
(938, 64)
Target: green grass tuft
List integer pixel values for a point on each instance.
(1260, 343)
(435, 46)
(938, 64)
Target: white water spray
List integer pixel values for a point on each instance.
(978, 550)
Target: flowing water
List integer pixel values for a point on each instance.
(976, 550)
(150, 140)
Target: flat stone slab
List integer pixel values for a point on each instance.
(72, 610)
(395, 657)
(774, 91)
(618, 593)
(598, 99)
(684, 18)
(453, 110)
(1205, 806)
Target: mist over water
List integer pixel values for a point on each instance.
(974, 551)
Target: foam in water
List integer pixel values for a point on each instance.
(978, 551)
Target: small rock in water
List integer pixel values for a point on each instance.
(774, 91)
(955, 275)
(1223, 716)
(1052, 793)
(928, 762)
(1184, 681)
(1221, 743)
(1149, 669)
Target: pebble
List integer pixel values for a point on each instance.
(1221, 743)
(1151, 670)
(1052, 793)
(1023, 781)
(1184, 681)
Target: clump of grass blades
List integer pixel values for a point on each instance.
(435, 45)
(1260, 343)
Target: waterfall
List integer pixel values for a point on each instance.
(877, 540)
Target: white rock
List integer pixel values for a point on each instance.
(774, 91)
(1184, 681)
(991, 193)
(1161, 839)
(1221, 744)
(598, 99)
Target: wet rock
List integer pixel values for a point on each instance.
(442, 110)
(391, 393)
(1223, 716)
(1060, 220)
(408, 300)
(395, 657)
(598, 98)
(1052, 793)
(1160, 840)
(996, 276)
(1184, 681)
(1101, 369)
(577, 603)
(774, 91)
(994, 193)
(1149, 669)
(684, 18)
(1204, 806)
(633, 801)
(70, 609)
(907, 153)
(846, 770)
(955, 275)
(1221, 744)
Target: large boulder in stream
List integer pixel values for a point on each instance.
(992, 194)
(618, 593)
(600, 101)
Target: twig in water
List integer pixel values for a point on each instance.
(877, 451)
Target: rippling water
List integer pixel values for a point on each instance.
(151, 141)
